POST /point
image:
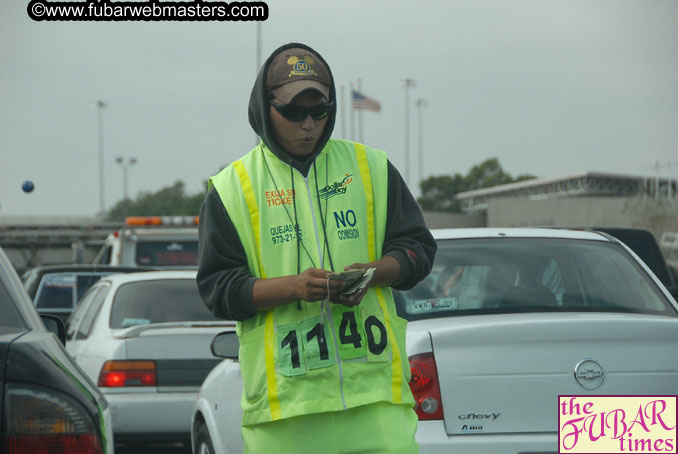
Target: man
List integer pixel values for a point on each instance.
(322, 371)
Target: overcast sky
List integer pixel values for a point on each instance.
(548, 87)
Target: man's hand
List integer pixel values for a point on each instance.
(387, 271)
(352, 300)
(355, 298)
(312, 285)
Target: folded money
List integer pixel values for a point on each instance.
(355, 280)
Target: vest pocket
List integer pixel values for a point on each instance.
(253, 365)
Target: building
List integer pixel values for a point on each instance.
(31, 241)
(586, 199)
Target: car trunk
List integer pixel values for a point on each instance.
(503, 373)
(181, 351)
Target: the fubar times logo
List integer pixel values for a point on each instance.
(617, 424)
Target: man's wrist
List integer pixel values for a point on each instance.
(273, 292)
(387, 271)
(405, 266)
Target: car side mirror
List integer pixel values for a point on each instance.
(55, 325)
(226, 345)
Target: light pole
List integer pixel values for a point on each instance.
(407, 83)
(421, 104)
(100, 110)
(125, 167)
(672, 193)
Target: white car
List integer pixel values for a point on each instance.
(162, 241)
(145, 338)
(507, 320)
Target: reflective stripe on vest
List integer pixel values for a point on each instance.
(397, 381)
(251, 202)
(300, 350)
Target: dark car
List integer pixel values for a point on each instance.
(56, 289)
(47, 404)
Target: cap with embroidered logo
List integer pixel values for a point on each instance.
(295, 70)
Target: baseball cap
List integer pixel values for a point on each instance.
(294, 70)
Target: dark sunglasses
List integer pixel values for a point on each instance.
(299, 113)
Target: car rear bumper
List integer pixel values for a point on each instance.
(165, 415)
(433, 439)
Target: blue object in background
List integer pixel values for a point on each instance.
(27, 186)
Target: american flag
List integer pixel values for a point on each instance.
(362, 102)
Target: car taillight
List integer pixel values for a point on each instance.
(47, 422)
(425, 387)
(115, 374)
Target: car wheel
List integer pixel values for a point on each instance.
(203, 442)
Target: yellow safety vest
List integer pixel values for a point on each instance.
(299, 359)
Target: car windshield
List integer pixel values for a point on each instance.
(158, 301)
(476, 276)
(56, 292)
(167, 253)
(63, 290)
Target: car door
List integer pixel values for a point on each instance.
(80, 327)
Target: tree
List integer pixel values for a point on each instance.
(438, 192)
(170, 200)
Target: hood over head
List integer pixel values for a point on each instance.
(289, 70)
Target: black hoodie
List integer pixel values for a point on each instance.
(260, 120)
(224, 280)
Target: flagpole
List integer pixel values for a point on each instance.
(407, 83)
(352, 114)
(360, 114)
(421, 103)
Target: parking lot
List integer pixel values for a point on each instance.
(182, 218)
(511, 282)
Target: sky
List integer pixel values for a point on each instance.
(549, 87)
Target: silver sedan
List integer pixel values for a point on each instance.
(145, 338)
(508, 320)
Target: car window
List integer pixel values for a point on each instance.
(621, 285)
(84, 282)
(532, 275)
(9, 313)
(91, 312)
(63, 290)
(55, 292)
(78, 314)
(643, 243)
(167, 253)
(157, 301)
